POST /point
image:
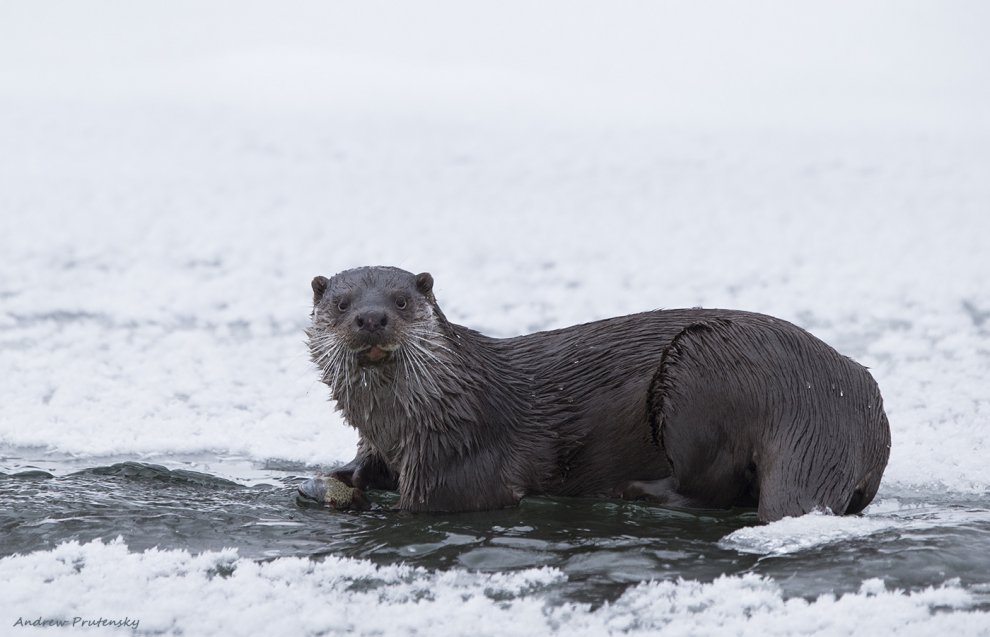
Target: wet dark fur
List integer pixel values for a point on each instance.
(709, 408)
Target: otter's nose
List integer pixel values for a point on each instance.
(371, 321)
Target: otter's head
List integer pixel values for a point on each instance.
(372, 317)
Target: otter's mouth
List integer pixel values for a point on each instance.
(376, 354)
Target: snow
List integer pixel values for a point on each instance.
(173, 176)
(175, 593)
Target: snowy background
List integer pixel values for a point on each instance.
(172, 176)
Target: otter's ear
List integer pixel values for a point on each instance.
(424, 283)
(320, 284)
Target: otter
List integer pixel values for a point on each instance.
(702, 408)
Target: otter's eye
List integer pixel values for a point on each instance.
(342, 305)
(400, 302)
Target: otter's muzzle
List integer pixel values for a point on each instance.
(371, 321)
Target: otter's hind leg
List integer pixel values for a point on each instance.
(703, 422)
(762, 410)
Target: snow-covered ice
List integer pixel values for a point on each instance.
(175, 593)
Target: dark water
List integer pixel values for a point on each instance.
(603, 546)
